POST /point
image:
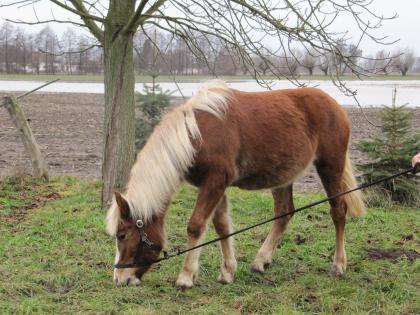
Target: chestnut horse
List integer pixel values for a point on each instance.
(224, 137)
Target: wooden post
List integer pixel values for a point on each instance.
(39, 167)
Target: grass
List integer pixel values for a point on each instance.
(56, 258)
(183, 78)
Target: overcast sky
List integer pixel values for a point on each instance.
(406, 27)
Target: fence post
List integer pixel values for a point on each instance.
(39, 166)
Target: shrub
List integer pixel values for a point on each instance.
(152, 103)
(390, 152)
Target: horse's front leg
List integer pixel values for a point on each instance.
(209, 196)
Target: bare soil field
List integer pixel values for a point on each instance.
(68, 127)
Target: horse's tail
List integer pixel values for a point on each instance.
(354, 202)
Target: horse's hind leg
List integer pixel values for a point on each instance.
(283, 203)
(223, 226)
(331, 175)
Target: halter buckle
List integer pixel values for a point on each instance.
(143, 235)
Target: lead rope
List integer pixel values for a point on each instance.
(167, 255)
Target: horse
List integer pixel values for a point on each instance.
(224, 137)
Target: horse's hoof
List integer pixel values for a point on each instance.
(184, 283)
(225, 278)
(338, 269)
(257, 267)
(227, 272)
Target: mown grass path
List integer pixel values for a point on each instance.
(55, 257)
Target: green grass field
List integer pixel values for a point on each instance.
(183, 78)
(55, 257)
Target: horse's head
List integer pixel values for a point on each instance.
(139, 243)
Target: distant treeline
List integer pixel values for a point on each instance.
(161, 53)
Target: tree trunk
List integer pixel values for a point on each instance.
(119, 150)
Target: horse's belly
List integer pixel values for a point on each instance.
(272, 175)
(263, 180)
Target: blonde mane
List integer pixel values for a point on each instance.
(160, 166)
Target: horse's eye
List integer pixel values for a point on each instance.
(121, 237)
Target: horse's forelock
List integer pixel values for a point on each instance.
(112, 219)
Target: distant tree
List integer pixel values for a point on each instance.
(403, 61)
(68, 42)
(416, 67)
(289, 63)
(49, 46)
(324, 63)
(6, 34)
(226, 63)
(23, 40)
(263, 66)
(20, 51)
(82, 44)
(382, 63)
(144, 52)
(347, 57)
(309, 61)
(34, 54)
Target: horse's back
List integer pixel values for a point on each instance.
(303, 107)
(307, 117)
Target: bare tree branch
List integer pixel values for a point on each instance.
(18, 2)
(88, 19)
(138, 18)
(45, 22)
(80, 10)
(70, 52)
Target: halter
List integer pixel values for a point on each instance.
(145, 242)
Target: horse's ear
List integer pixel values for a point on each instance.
(122, 205)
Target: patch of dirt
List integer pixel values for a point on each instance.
(391, 254)
(407, 238)
(310, 298)
(300, 239)
(68, 128)
(18, 215)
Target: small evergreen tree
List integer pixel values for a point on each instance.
(390, 152)
(152, 103)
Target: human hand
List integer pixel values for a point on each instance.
(415, 162)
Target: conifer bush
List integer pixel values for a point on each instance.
(390, 152)
(152, 103)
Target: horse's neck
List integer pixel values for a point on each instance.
(150, 197)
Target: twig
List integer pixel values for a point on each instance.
(31, 91)
(36, 89)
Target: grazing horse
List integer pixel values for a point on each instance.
(224, 137)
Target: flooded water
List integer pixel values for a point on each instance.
(369, 93)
